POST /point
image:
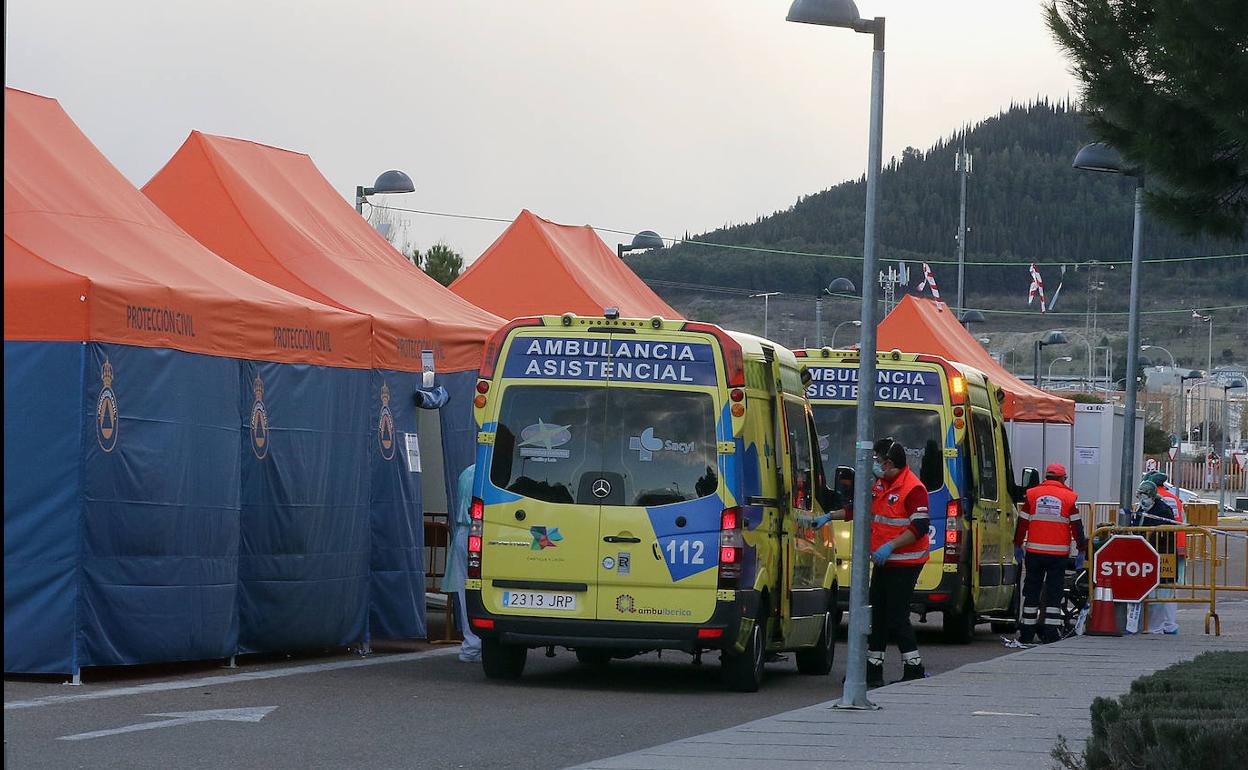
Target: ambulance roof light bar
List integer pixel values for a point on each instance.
(611, 313)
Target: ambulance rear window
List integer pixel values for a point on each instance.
(918, 430)
(652, 446)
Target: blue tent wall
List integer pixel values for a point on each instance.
(397, 599)
(178, 542)
(160, 508)
(43, 414)
(304, 559)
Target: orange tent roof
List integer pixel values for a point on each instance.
(88, 258)
(538, 267)
(272, 213)
(927, 326)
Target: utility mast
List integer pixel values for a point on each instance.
(962, 165)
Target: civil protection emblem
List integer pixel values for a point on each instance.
(259, 421)
(385, 425)
(106, 426)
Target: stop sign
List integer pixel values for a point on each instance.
(1129, 566)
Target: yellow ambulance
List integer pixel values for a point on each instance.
(639, 486)
(948, 417)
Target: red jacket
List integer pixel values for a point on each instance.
(1049, 519)
(895, 507)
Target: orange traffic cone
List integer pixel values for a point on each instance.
(1103, 621)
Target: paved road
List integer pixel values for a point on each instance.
(1008, 712)
(431, 712)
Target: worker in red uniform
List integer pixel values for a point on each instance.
(899, 549)
(1047, 523)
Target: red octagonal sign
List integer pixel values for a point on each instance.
(1129, 566)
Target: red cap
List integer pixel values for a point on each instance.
(1056, 470)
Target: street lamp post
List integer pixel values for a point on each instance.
(642, 241)
(972, 317)
(1051, 337)
(839, 286)
(844, 14)
(1226, 389)
(389, 183)
(1049, 377)
(1185, 435)
(1101, 157)
(1163, 350)
(766, 295)
(838, 328)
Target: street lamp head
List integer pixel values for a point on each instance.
(841, 286)
(856, 324)
(1053, 337)
(393, 182)
(825, 13)
(1099, 156)
(1064, 358)
(647, 239)
(973, 317)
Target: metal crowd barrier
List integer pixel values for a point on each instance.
(1205, 570)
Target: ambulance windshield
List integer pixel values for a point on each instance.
(650, 446)
(918, 430)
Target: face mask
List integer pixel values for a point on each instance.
(1145, 501)
(877, 469)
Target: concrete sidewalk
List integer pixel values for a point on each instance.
(1002, 713)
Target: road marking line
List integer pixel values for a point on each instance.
(1000, 714)
(252, 714)
(247, 676)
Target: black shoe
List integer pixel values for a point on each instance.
(912, 671)
(875, 675)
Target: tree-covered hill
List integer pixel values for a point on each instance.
(1024, 203)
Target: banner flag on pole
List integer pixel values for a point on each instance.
(929, 280)
(1061, 280)
(1037, 287)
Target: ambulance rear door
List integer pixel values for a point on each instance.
(659, 527)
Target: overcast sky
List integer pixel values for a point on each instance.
(672, 115)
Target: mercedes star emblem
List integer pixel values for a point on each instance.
(601, 488)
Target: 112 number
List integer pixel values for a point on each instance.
(684, 554)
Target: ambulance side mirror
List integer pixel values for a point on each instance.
(1031, 478)
(844, 483)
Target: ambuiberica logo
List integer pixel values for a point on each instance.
(625, 604)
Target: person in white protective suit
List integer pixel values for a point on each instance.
(457, 564)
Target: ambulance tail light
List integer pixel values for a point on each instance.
(731, 547)
(734, 357)
(476, 531)
(953, 531)
(710, 633)
(494, 345)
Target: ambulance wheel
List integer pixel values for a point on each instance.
(502, 661)
(593, 658)
(743, 671)
(817, 660)
(959, 627)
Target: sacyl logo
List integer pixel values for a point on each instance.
(647, 444)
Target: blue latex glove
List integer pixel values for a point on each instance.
(820, 521)
(881, 554)
(1080, 559)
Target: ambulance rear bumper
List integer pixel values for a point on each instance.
(616, 635)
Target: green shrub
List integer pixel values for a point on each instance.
(1191, 715)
